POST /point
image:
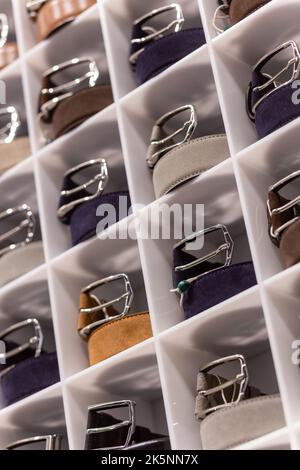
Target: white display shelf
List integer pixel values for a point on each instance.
(261, 323)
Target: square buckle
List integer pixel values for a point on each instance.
(275, 234)
(4, 28)
(241, 380)
(36, 340)
(28, 223)
(131, 421)
(52, 442)
(101, 177)
(101, 307)
(165, 144)
(221, 15)
(9, 130)
(33, 7)
(273, 80)
(152, 33)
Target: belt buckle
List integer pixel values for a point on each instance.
(153, 34)
(4, 28)
(131, 422)
(52, 442)
(293, 62)
(9, 130)
(221, 15)
(33, 7)
(101, 177)
(188, 127)
(101, 307)
(241, 380)
(275, 235)
(28, 223)
(36, 340)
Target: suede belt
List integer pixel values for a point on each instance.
(239, 9)
(20, 261)
(8, 53)
(13, 153)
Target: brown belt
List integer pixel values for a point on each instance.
(239, 9)
(114, 336)
(56, 13)
(8, 53)
(13, 153)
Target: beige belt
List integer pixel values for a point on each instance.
(13, 153)
(20, 261)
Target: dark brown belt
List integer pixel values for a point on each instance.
(239, 9)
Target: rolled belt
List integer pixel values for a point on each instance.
(13, 153)
(114, 336)
(8, 53)
(240, 9)
(20, 261)
(56, 13)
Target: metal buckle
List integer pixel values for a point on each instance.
(152, 33)
(131, 422)
(188, 127)
(241, 380)
(293, 62)
(52, 442)
(101, 178)
(61, 92)
(36, 340)
(289, 205)
(101, 307)
(33, 7)
(4, 29)
(9, 130)
(28, 223)
(221, 15)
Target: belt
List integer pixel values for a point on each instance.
(203, 284)
(64, 107)
(231, 12)
(8, 50)
(175, 163)
(231, 411)
(153, 51)
(51, 442)
(26, 371)
(21, 261)
(104, 432)
(271, 105)
(51, 15)
(284, 221)
(107, 331)
(79, 208)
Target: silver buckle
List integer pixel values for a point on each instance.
(52, 442)
(152, 33)
(188, 128)
(36, 340)
(131, 422)
(221, 15)
(289, 205)
(101, 178)
(33, 7)
(61, 92)
(4, 28)
(28, 223)
(9, 130)
(101, 307)
(240, 380)
(293, 62)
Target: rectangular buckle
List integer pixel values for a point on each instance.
(152, 33)
(28, 223)
(33, 7)
(131, 422)
(289, 205)
(101, 307)
(293, 62)
(4, 29)
(221, 15)
(163, 145)
(52, 442)
(241, 379)
(9, 130)
(100, 177)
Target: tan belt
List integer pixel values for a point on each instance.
(114, 336)
(56, 13)
(20, 261)
(13, 153)
(239, 9)
(8, 53)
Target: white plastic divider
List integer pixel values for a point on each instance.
(261, 323)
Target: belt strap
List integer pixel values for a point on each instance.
(240, 9)
(8, 53)
(56, 13)
(13, 153)
(242, 422)
(20, 261)
(114, 336)
(166, 51)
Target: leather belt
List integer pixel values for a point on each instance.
(153, 51)
(107, 331)
(8, 49)
(233, 11)
(231, 411)
(104, 432)
(26, 371)
(78, 207)
(51, 442)
(64, 107)
(50, 15)
(174, 163)
(284, 221)
(203, 284)
(271, 105)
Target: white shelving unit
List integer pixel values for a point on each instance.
(261, 323)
